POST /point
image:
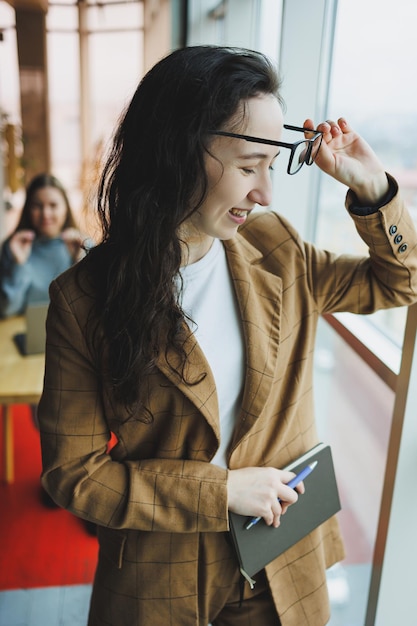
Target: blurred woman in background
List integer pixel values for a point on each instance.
(45, 243)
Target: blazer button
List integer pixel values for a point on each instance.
(403, 248)
(398, 238)
(392, 229)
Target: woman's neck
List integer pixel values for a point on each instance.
(195, 246)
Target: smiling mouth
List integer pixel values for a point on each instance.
(240, 212)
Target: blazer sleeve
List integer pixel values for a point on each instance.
(386, 278)
(148, 494)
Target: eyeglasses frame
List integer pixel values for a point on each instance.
(291, 146)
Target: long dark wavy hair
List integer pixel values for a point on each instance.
(39, 182)
(153, 180)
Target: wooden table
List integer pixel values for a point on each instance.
(21, 382)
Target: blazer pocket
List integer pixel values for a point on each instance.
(112, 544)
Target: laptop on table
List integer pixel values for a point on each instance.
(33, 340)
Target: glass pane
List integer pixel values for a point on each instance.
(372, 86)
(117, 16)
(62, 17)
(10, 124)
(113, 50)
(64, 97)
(9, 70)
(354, 410)
(116, 66)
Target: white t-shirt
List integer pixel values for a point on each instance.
(209, 299)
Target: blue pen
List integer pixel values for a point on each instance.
(293, 483)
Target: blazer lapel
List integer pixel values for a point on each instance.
(259, 296)
(202, 391)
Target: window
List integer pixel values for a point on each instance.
(371, 85)
(64, 91)
(106, 41)
(10, 114)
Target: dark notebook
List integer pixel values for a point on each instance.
(261, 544)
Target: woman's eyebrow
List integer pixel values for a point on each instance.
(258, 155)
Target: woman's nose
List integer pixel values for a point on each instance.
(262, 193)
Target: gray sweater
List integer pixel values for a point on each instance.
(27, 283)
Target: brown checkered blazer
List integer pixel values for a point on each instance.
(160, 504)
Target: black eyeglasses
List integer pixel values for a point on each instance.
(303, 151)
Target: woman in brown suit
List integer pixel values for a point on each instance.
(188, 333)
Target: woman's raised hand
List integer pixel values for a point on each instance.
(74, 242)
(348, 158)
(21, 245)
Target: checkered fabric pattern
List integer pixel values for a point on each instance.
(160, 504)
